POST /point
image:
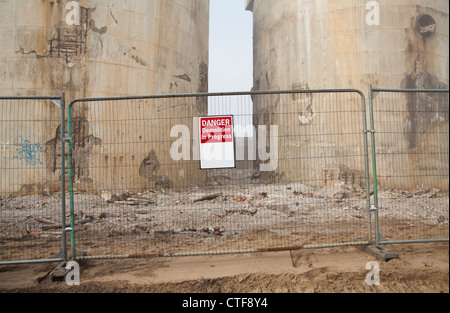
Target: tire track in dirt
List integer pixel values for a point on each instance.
(322, 280)
(421, 268)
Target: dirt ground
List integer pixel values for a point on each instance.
(420, 268)
(243, 214)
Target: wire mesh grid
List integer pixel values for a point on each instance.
(412, 157)
(300, 176)
(30, 187)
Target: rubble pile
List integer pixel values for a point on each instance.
(215, 211)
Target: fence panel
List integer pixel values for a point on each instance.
(300, 181)
(412, 164)
(30, 180)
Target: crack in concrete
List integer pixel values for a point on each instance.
(22, 51)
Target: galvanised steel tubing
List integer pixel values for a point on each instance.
(374, 165)
(366, 161)
(194, 95)
(32, 261)
(220, 94)
(72, 221)
(223, 252)
(63, 176)
(30, 98)
(375, 184)
(409, 90)
(393, 242)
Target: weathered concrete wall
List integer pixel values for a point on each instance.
(318, 44)
(120, 48)
(328, 44)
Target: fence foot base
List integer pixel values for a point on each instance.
(59, 273)
(381, 253)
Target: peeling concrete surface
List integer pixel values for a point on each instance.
(328, 44)
(83, 142)
(119, 48)
(44, 54)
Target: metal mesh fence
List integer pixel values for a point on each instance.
(412, 158)
(300, 178)
(30, 185)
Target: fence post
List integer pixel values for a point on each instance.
(366, 165)
(70, 140)
(63, 180)
(374, 208)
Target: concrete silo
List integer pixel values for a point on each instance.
(105, 48)
(324, 44)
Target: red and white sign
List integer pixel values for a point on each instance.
(216, 129)
(217, 142)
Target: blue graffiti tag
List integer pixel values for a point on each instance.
(30, 153)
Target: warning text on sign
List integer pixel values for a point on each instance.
(217, 142)
(216, 130)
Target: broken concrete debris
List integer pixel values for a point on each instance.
(113, 197)
(44, 221)
(126, 198)
(56, 226)
(217, 230)
(208, 197)
(240, 198)
(247, 210)
(209, 214)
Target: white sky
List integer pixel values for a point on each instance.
(230, 46)
(231, 61)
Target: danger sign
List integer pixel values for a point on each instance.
(216, 142)
(214, 130)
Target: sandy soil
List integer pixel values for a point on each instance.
(421, 268)
(245, 216)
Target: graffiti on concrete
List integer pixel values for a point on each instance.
(28, 153)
